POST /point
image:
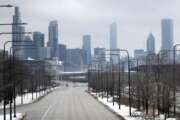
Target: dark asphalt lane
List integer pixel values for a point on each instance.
(71, 103)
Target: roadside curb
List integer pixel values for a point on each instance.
(107, 107)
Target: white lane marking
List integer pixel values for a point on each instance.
(46, 112)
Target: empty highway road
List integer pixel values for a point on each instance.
(71, 103)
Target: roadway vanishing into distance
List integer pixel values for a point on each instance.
(67, 103)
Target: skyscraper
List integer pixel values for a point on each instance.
(113, 36)
(74, 59)
(29, 52)
(62, 52)
(113, 41)
(99, 53)
(139, 53)
(87, 47)
(150, 44)
(17, 29)
(38, 38)
(41, 51)
(53, 38)
(167, 34)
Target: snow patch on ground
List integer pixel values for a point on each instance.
(18, 117)
(28, 98)
(124, 110)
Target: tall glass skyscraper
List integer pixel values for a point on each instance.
(17, 29)
(113, 41)
(167, 34)
(53, 38)
(113, 36)
(38, 38)
(87, 47)
(150, 44)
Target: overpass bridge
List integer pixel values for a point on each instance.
(74, 76)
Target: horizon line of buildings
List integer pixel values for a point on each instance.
(167, 40)
(79, 57)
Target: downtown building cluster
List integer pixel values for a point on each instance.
(73, 59)
(167, 40)
(76, 59)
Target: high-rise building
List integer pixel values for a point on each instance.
(38, 38)
(113, 42)
(87, 47)
(43, 53)
(29, 50)
(41, 50)
(53, 38)
(167, 34)
(99, 53)
(139, 53)
(17, 29)
(74, 59)
(113, 36)
(150, 44)
(62, 52)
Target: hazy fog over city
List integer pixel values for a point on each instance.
(135, 19)
(89, 60)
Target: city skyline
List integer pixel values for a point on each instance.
(56, 56)
(127, 30)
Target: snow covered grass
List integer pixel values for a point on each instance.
(19, 116)
(124, 110)
(27, 98)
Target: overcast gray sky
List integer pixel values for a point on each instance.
(135, 19)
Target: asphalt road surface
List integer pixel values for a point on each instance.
(71, 103)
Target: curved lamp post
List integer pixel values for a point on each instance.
(174, 70)
(4, 63)
(129, 77)
(13, 66)
(111, 54)
(6, 6)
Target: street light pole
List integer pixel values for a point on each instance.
(114, 73)
(174, 81)
(174, 71)
(88, 76)
(4, 63)
(11, 24)
(6, 6)
(129, 77)
(13, 73)
(12, 33)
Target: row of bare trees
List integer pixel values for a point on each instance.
(18, 77)
(153, 84)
